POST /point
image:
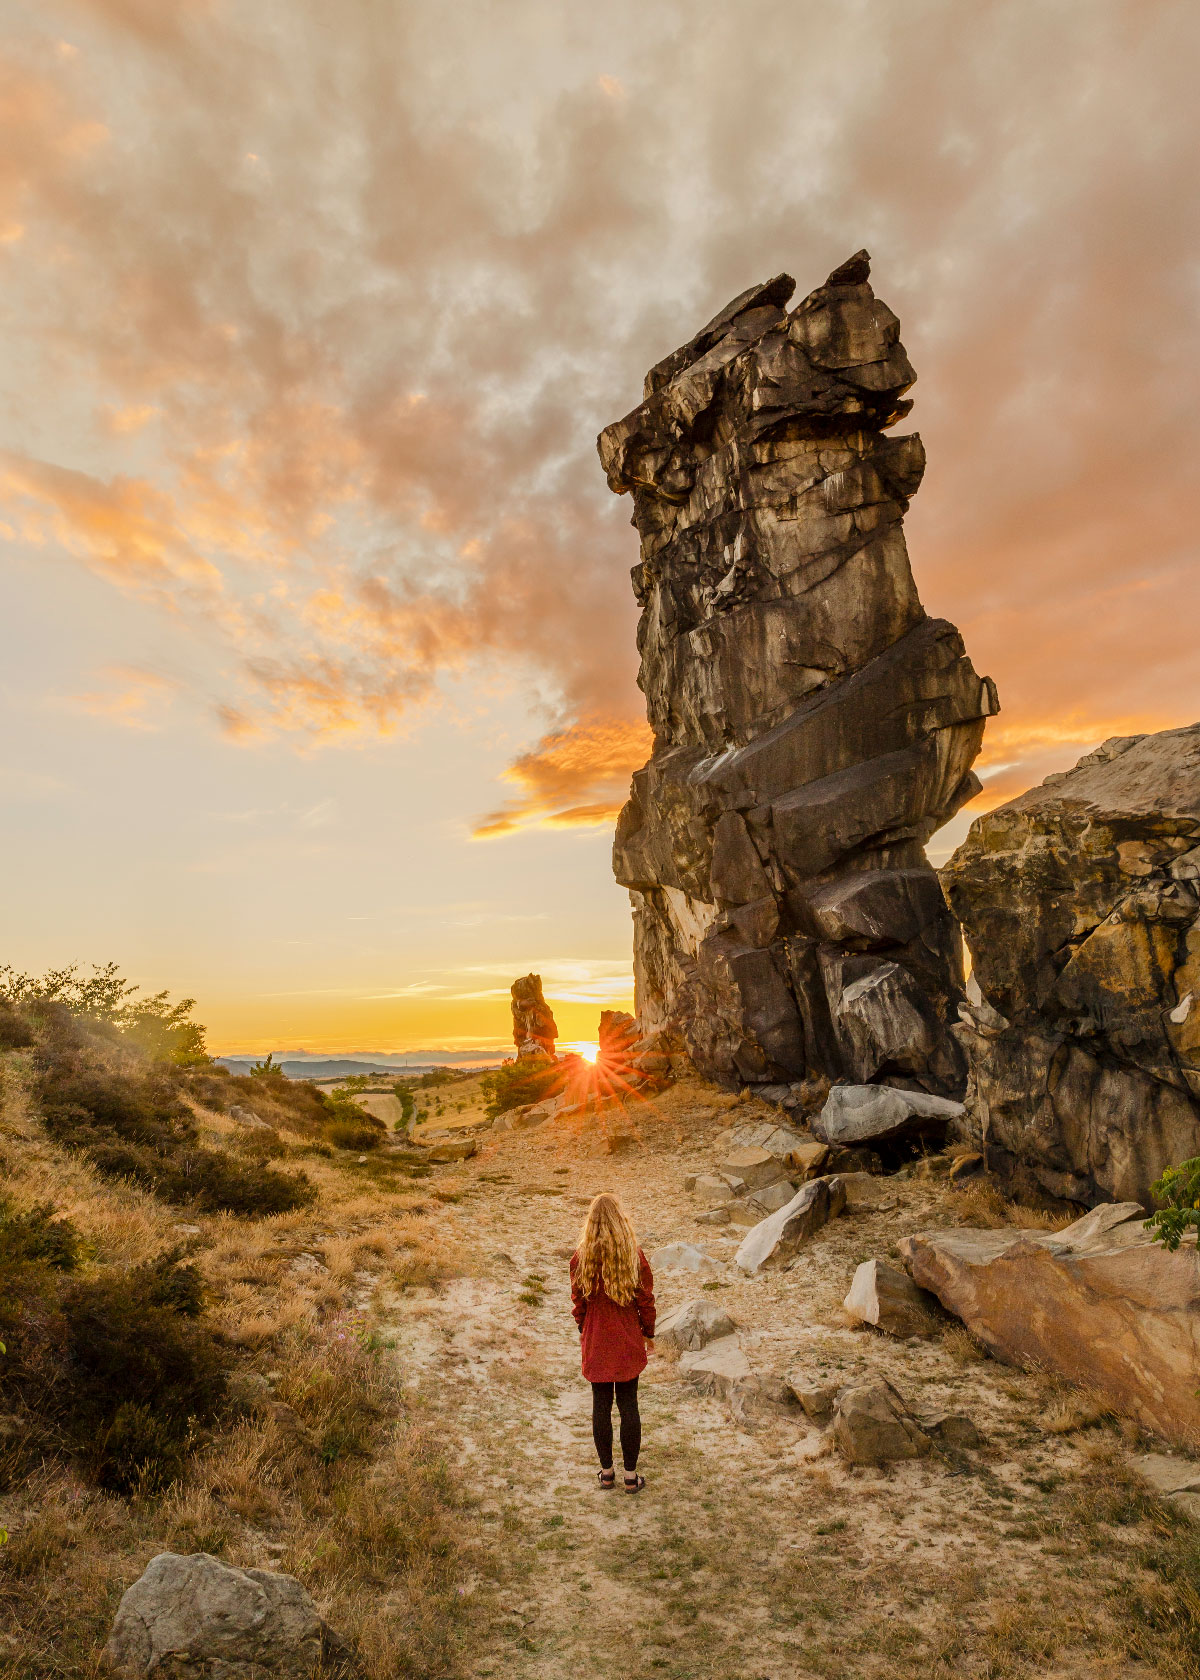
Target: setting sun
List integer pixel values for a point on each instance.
(587, 1048)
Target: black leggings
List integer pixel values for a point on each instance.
(631, 1422)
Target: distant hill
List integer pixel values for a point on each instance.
(334, 1069)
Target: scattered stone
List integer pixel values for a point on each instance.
(816, 1398)
(714, 1215)
(744, 1213)
(454, 1149)
(765, 1134)
(856, 1114)
(776, 1238)
(773, 1197)
(872, 1424)
(806, 1160)
(811, 723)
(308, 1265)
(952, 1429)
(186, 1230)
(197, 1614)
(245, 1117)
(1098, 1303)
(1079, 901)
(694, 1325)
(865, 1189)
(721, 1368)
(888, 1299)
(685, 1257)
(754, 1166)
(712, 1190)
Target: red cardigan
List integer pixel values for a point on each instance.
(611, 1336)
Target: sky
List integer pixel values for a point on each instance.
(316, 636)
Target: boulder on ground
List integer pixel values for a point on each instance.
(872, 1424)
(720, 1368)
(454, 1149)
(694, 1325)
(776, 1238)
(1099, 1303)
(857, 1114)
(766, 1134)
(888, 1299)
(715, 1215)
(195, 1614)
(685, 1257)
(711, 1189)
(754, 1166)
(806, 1159)
(1168, 1474)
(816, 1399)
(772, 1197)
(952, 1429)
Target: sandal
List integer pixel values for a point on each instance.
(607, 1479)
(636, 1485)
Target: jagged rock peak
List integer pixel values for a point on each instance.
(813, 727)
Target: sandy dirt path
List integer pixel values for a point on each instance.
(754, 1553)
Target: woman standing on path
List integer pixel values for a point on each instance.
(612, 1299)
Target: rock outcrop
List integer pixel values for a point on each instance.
(1080, 902)
(1098, 1302)
(534, 1027)
(813, 727)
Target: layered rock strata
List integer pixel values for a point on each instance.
(813, 727)
(1080, 902)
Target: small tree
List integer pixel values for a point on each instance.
(1179, 1191)
(270, 1069)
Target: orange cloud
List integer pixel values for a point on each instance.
(377, 359)
(574, 778)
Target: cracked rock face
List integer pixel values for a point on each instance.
(1080, 902)
(813, 727)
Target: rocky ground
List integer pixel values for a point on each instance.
(755, 1553)
(416, 1446)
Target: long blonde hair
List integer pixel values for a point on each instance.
(608, 1252)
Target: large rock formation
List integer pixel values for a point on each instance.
(1080, 902)
(813, 727)
(1099, 1303)
(534, 1027)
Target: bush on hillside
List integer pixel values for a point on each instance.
(351, 1127)
(131, 1122)
(116, 1369)
(516, 1083)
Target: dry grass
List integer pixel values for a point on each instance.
(328, 1473)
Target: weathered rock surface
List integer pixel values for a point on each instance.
(1081, 905)
(775, 1239)
(813, 727)
(856, 1114)
(720, 1368)
(694, 1325)
(196, 1616)
(872, 1424)
(952, 1429)
(685, 1257)
(816, 1399)
(754, 1167)
(454, 1149)
(888, 1299)
(1098, 1302)
(534, 1027)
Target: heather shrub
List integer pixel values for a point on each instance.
(516, 1083)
